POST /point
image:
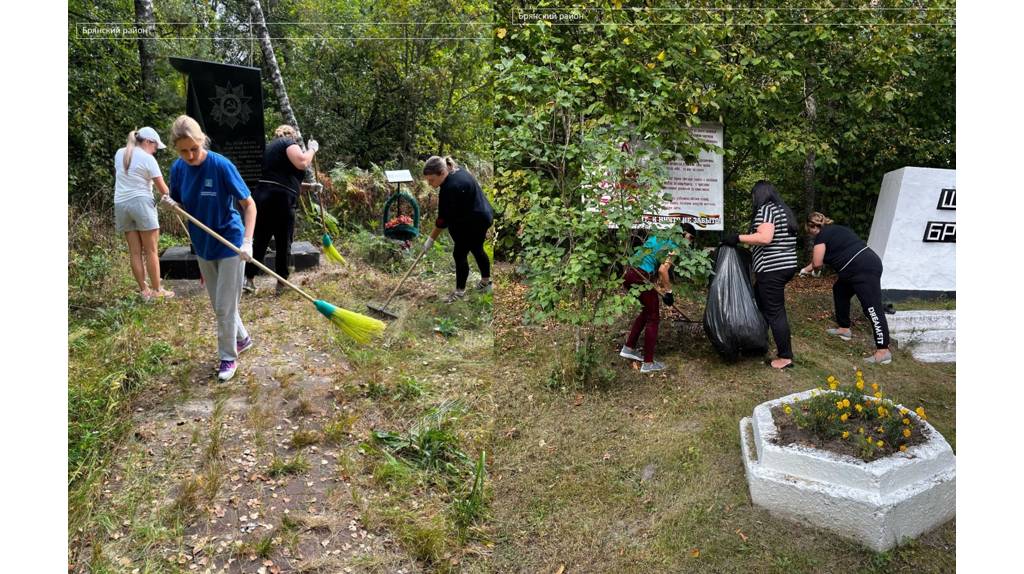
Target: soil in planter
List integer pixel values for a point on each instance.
(789, 434)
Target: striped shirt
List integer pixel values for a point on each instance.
(780, 254)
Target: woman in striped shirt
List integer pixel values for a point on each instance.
(773, 237)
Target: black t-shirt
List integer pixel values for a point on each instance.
(841, 244)
(279, 169)
(461, 202)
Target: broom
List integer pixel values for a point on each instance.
(359, 327)
(330, 251)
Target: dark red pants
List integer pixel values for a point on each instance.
(648, 319)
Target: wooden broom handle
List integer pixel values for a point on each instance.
(232, 246)
(404, 277)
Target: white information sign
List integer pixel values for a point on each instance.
(697, 190)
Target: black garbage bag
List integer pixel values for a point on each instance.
(732, 321)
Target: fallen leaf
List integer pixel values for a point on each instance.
(743, 536)
(561, 569)
(695, 553)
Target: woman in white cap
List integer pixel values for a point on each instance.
(135, 214)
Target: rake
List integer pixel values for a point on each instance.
(383, 309)
(359, 327)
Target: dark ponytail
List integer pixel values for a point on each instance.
(764, 192)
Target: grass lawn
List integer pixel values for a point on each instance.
(642, 473)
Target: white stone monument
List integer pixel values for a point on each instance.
(914, 233)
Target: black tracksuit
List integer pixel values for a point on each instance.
(276, 197)
(463, 209)
(860, 274)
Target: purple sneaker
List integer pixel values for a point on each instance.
(243, 345)
(227, 370)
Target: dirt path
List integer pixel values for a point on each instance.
(268, 473)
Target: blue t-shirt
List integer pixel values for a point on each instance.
(654, 251)
(209, 192)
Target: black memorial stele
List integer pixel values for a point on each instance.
(227, 101)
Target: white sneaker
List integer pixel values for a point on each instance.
(844, 336)
(227, 370)
(455, 296)
(885, 360)
(652, 367)
(628, 353)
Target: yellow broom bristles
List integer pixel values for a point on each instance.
(330, 251)
(359, 327)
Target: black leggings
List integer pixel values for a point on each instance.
(770, 289)
(469, 238)
(275, 217)
(863, 278)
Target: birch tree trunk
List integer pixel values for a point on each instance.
(145, 19)
(274, 72)
(811, 111)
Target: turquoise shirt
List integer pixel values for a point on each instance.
(654, 251)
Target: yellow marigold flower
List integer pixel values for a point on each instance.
(860, 385)
(903, 448)
(874, 386)
(906, 421)
(833, 385)
(859, 373)
(787, 410)
(858, 407)
(906, 433)
(879, 429)
(903, 411)
(843, 417)
(831, 379)
(878, 394)
(880, 444)
(846, 434)
(860, 430)
(846, 403)
(839, 405)
(920, 412)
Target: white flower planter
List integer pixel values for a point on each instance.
(878, 503)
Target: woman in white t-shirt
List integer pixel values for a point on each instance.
(135, 214)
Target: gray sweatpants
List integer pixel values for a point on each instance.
(224, 284)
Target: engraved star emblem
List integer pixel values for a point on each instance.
(231, 106)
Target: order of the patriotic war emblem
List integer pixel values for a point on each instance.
(230, 106)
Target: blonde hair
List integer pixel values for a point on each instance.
(817, 219)
(436, 165)
(186, 127)
(133, 139)
(286, 131)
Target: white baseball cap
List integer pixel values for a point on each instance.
(148, 133)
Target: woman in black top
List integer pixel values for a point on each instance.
(284, 167)
(464, 211)
(773, 238)
(859, 273)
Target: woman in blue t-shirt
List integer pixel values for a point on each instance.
(208, 185)
(859, 272)
(655, 261)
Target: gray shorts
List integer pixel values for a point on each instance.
(136, 214)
